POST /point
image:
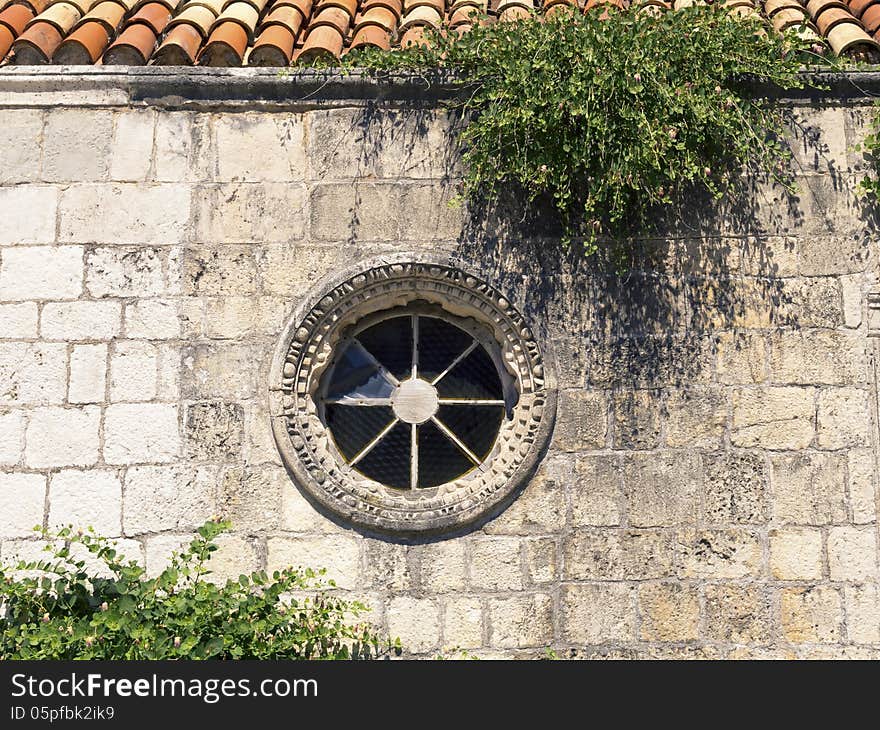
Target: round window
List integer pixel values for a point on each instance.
(409, 396)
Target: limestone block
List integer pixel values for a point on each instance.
(83, 320)
(844, 418)
(168, 383)
(833, 255)
(213, 431)
(132, 150)
(251, 497)
(808, 488)
(231, 317)
(462, 622)
(249, 212)
(853, 299)
(125, 272)
(637, 416)
(618, 555)
(339, 554)
(279, 137)
(88, 374)
(809, 302)
(298, 514)
(697, 418)
(20, 146)
(736, 488)
(158, 550)
(18, 321)
(495, 564)
(62, 437)
(796, 554)
(359, 212)
(184, 147)
(124, 213)
(32, 373)
(220, 271)
(41, 272)
(720, 554)
(416, 621)
(152, 319)
(76, 145)
(742, 357)
(773, 418)
(833, 357)
(521, 621)
(662, 488)
(669, 611)
(581, 421)
(595, 614)
(539, 508)
(861, 485)
(440, 215)
(390, 566)
(157, 498)
(219, 370)
(86, 499)
(133, 371)
(137, 433)
(443, 566)
(22, 497)
(235, 555)
(811, 615)
(596, 492)
(541, 560)
(852, 553)
(11, 437)
(291, 270)
(29, 214)
(359, 157)
(863, 613)
(737, 614)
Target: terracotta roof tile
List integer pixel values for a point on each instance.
(281, 32)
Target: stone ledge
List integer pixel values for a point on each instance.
(302, 89)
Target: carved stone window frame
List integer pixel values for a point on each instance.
(306, 349)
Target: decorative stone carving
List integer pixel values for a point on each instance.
(306, 350)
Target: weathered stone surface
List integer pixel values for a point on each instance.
(158, 498)
(594, 614)
(280, 141)
(416, 621)
(441, 214)
(581, 421)
(662, 488)
(852, 553)
(540, 507)
(86, 499)
(773, 418)
(843, 418)
(132, 149)
(495, 564)
(18, 321)
(21, 145)
(11, 437)
(218, 370)
(596, 491)
(184, 147)
(152, 319)
(41, 272)
(796, 554)
(463, 622)
(235, 555)
(346, 212)
(125, 272)
(811, 615)
(738, 614)
(75, 145)
(82, 320)
(808, 488)
(133, 371)
(618, 555)
(32, 373)
(861, 485)
(29, 214)
(88, 374)
(22, 497)
(736, 488)
(720, 554)
(742, 357)
(339, 554)
(669, 611)
(443, 566)
(390, 566)
(250, 212)
(251, 497)
(637, 416)
(863, 613)
(696, 418)
(137, 433)
(62, 437)
(833, 357)
(220, 271)
(521, 621)
(852, 288)
(541, 560)
(213, 431)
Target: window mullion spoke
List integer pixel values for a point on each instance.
(347, 400)
(452, 437)
(414, 457)
(468, 402)
(387, 374)
(375, 442)
(415, 349)
(470, 348)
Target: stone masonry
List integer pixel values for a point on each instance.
(711, 487)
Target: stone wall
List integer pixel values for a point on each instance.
(710, 490)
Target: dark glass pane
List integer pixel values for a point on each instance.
(439, 344)
(389, 462)
(440, 460)
(476, 426)
(356, 376)
(390, 342)
(474, 377)
(353, 427)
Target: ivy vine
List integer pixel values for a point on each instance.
(613, 114)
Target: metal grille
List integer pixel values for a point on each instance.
(414, 401)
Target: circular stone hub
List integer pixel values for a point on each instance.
(415, 401)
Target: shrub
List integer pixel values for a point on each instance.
(86, 602)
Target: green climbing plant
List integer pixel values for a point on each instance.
(613, 115)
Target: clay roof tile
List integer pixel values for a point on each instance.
(323, 41)
(37, 44)
(274, 47)
(84, 46)
(180, 46)
(133, 47)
